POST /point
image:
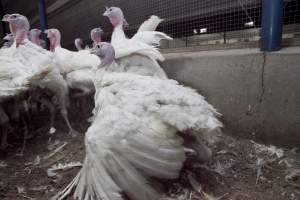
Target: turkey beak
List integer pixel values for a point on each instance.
(106, 12)
(5, 18)
(7, 37)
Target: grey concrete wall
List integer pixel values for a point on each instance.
(258, 94)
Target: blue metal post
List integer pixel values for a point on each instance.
(43, 20)
(272, 22)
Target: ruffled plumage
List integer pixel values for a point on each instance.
(134, 135)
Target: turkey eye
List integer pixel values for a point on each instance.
(110, 9)
(98, 46)
(14, 16)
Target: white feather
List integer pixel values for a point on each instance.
(71, 61)
(21, 66)
(81, 78)
(151, 24)
(140, 52)
(152, 38)
(134, 135)
(142, 65)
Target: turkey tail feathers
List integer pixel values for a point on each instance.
(151, 24)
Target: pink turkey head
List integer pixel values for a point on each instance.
(54, 37)
(96, 35)
(19, 26)
(115, 16)
(78, 44)
(106, 53)
(34, 36)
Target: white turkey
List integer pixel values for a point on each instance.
(37, 58)
(19, 69)
(15, 80)
(76, 65)
(134, 136)
(138, 54)
(146, 33)
(28, 53)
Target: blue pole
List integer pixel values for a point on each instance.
(43, 20)
(272, 22)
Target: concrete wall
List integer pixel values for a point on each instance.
(258, 94)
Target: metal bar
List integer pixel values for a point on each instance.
(43, 20)
(272, 22)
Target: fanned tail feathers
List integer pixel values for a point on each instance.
(151, 24)
(152, 38)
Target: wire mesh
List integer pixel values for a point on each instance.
(214, 22)
(189, 22)
(197, 22)
(291, 18)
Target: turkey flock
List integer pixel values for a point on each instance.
(144, 126)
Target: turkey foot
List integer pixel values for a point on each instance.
(73, 132)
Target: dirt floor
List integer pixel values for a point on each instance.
(240, 170)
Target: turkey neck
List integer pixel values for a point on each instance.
(118, 34)
(19, 33)
(96, 37)
(36, 40)
(55, 41)
(78, 45)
